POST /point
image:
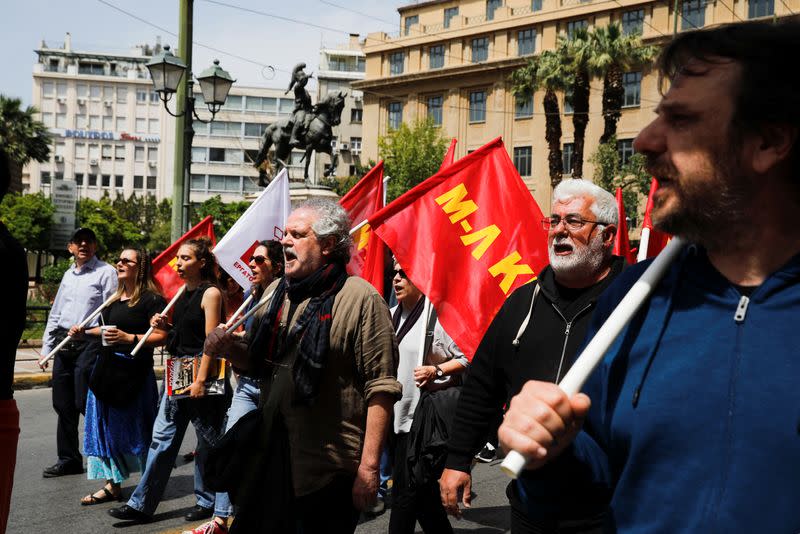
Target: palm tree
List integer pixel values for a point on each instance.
(613, 54)
(576, 52)
(22, 137)
(546, 71)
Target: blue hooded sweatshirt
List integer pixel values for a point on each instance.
(695, 417)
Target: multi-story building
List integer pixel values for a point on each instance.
(112, 134)
(452, 59)
(108, 125)
(338, 67)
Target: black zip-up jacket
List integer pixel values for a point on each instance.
(554, 334)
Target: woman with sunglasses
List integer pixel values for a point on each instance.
(196, 312)
(116, 437)
(266, 263)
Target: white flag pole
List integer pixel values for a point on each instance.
(165, 311)
(82, 324)
(358, 227)
(593, 354)
(249, 313)
(644, 242)
(426, 313)
(243, 307)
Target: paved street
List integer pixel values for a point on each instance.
(51, 505)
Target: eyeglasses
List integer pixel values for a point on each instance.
(125, 261)
(401, 273)
(259, 260)
(572, 222)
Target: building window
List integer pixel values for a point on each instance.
(199, 154)
(79, 178)
(107, 152)
(633, 22)
(536, 5)
(153, 126)
(119, 152)
(82, 90)
(61, 89)
(568, 102)
(760, 8)
(523, 108)
(257, 103)
(480, 49)
(254, 129)
(138, 182)
(121, 124)
(574, 25)
(436, 57)
(151, 182)
(355, 143)
(477, 106)
(216, 155)
(395, 115)
(94, 122)
(449, 14)
(141, 125)
(625, 150)
(526, 42)
(60, 148)
(523, 160)
(693, 14)
(81, 121)
(233, 102)
(80, 150)
(410, 21)
(48, 89)
(566, 157)
(48, 119)
(138, 153)
(44, 178)
(250, 155)
(154, 97)
(491, 7)
(92, 179)
(435, 109)
(152, 153)
(141, 96)
(356, 115)
(225, 129)
(94, 152)
(95, 92)
(198, 182)
(224, 183)
(108, 123)
(105, 180)
(122, 95)
(396, 63)
(632, 82)
(119, 180)
(61, 120)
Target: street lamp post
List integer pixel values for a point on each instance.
(166, 71)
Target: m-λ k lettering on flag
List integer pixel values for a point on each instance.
(363, 200)
(467, 237)
(164, 270)
(264, 220)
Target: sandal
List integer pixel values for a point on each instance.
(106, 497)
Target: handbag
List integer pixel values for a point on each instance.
(117, 377)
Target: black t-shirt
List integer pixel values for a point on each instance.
(134, 319)
(14, 274)
(189, 322)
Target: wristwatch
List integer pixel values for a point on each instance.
(439, 372)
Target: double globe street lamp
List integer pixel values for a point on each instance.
(166, 72)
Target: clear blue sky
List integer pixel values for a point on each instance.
(95, 26)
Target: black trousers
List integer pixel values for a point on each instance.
(72, 367)
(521, 524)
(329, 510)
(409, 505)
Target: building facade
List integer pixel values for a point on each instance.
(452, 59)
(339, 66)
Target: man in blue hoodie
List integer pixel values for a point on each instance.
(692, 418)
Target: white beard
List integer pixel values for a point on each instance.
(584, 259)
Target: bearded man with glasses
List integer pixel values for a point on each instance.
(536, 336)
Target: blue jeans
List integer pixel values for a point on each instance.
(245, 399)
(164, 448)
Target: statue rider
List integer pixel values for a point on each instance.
(302, 105)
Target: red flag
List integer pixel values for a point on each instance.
(622, 246)
(363, 200)
(164, 265)
(467, 237)
(450, 155)
(652, 241)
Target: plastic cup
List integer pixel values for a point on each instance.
(103, 330)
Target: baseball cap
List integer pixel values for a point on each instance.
(85, 233)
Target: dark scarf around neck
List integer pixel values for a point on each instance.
(411, 320)
(312, 329)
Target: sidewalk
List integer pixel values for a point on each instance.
(28, 375)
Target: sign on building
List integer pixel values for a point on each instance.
(65, 199)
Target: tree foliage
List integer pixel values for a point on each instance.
(22, 137)
(225, 215)
(29, 218)
(411, 154)
(632, 177)
(150, 215)
(113, 230)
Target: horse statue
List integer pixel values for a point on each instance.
(316, 136)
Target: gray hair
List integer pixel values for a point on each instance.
(604, 206)
(332, 221)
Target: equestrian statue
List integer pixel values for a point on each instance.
(309, 128)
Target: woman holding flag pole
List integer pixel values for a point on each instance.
(197, 311)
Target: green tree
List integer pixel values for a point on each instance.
(113, 230)
(29, 218)
(610, 173)
(150, 215)
(546, 71)
(225, 214)
(411, 154)
(576, 51)
(22, 137)
(613, 54)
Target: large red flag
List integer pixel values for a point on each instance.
(467, 237)
(622, 245)
(164, 265)
(450, 155)
(363, 200)
(652, 240)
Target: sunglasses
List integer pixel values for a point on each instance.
(401, 273)
(259, 260)
(125, 261)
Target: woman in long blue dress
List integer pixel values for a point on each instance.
(116, 439)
